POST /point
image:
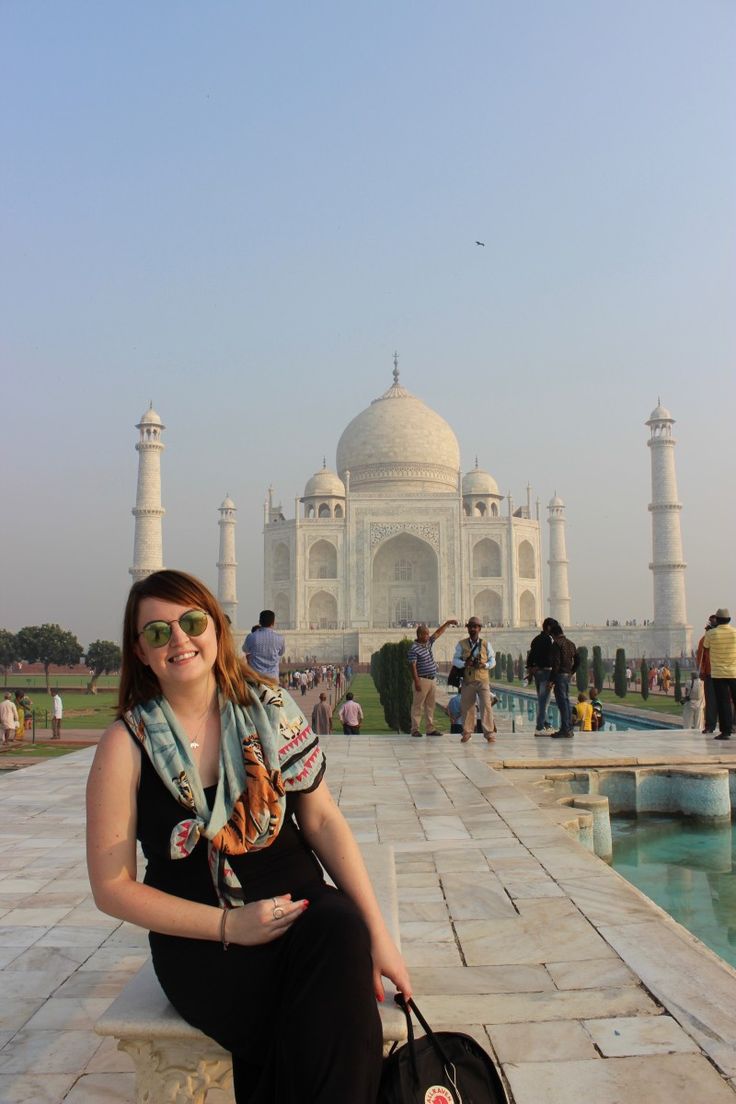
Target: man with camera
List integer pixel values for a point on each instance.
(475, 657)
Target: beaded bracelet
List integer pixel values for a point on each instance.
(223, 922)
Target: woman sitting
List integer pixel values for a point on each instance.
(219, 776)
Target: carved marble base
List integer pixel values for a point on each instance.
(170, 1071)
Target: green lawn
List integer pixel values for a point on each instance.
(365, 693)
(36, 751)
(657, 703)
(80, 710)
(19, 680)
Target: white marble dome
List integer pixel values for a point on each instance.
(399, 444)
(150, 418)
(323, 484)
(660, 414)
(479, 482)
(555, 502)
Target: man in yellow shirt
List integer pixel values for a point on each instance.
(721, 643)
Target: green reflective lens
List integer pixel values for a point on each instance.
(158, 633)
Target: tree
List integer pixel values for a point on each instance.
(8, 651)
(678, 683)
(509, 667)
(103, 658)
(581, 675)
(501, 664)
(49, 644)
(520, 666)
(598, 672)
(644, 670)
(619, 674)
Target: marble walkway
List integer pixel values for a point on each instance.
(580, 985)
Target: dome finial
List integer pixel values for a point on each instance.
(476, 461)
(396, 369)
(324, 462)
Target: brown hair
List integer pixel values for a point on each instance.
(137, 682)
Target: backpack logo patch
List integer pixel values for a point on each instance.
(438, 1094)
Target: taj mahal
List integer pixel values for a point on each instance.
(397, 535)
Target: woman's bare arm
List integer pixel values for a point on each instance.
(112, 790)
(328, 834)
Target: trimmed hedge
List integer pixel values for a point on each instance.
(392, 676)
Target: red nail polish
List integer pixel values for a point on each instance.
(305, 904)
(381, 998)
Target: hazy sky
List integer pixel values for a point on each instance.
(239, 210)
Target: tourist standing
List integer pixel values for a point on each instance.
(57, 712)
(8, 718)
(475, 657)
(351, 716)
(322, 716)
(565, 660)
(721, 643)
(692, 706)
(263, 647)
(424, 676)
(703, 661)
(539, 667)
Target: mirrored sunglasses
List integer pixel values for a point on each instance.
(158, 633)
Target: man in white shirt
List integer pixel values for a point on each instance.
(8, 719)
(351, 716)
(57, 714)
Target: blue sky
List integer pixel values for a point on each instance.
(240, 210)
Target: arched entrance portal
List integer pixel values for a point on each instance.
(405, 583)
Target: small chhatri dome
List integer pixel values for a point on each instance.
(324, 484)
(227, 503)
(397, 445)
(479, 482)
(659, 414)
(555, 501)
(151, 417)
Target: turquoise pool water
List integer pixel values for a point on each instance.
(687, 869)
(515, 704)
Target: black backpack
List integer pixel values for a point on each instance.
(444, 1067)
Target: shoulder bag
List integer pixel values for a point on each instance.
(444, 1067)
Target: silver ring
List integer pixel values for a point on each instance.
(278, 912)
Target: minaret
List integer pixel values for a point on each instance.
(227, 586)
(667, 564)
(147, 547)
(559, 588)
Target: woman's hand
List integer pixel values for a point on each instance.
(263, 921)
(387, 962)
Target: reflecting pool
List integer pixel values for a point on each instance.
(517, 705)
(687, 869)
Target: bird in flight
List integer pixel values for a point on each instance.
(481, 243)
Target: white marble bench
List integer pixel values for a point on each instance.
(174, 1062)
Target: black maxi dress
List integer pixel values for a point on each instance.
(298, 1014)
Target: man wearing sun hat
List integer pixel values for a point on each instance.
(720, 642)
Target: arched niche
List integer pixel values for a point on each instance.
(494, 510)
(282, 609)
(480, 509)
(324, 510)
(309, 511)
(488, 606)
(527, 568)
(322, 560)
(323, 610)
(281, 562)
(339, 512)
(404, 567)
(486, 559)
(527, 608)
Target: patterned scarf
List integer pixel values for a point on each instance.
(267, 750)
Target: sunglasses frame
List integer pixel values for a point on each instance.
(174, 621)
